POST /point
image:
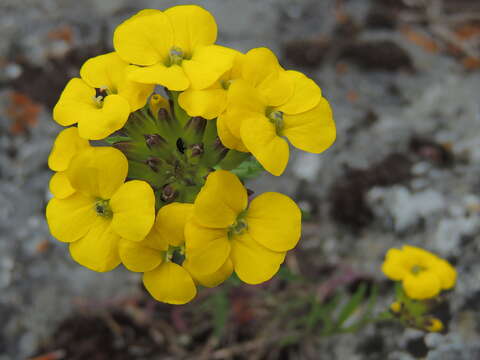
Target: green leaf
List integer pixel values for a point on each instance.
(114, 139)
(326, 315)
(233, 159)
(248, 169)
(367, 316)
(351, 305)
(220, 308)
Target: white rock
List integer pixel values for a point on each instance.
(307, 166)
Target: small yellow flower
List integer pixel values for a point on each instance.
(254, 237)
(209, 103)
(422, 273)
(270, 104)
(396, 307)
(101, 101)
(173, 48)
(102, 209)
(434, 325)
(67, 144)
(163, 260)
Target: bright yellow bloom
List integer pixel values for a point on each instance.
(102, 209)
(434, 325)
(67, 144)
(209, 103)
(396, 307)
(168, 277)
(173, 48)
(101, 101)
(254, 237)
(269, 105)
(422, 273)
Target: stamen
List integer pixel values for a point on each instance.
(102, 208)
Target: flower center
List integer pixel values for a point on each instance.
(102, 208)
(417, 269)
(100, 94)
(175, 56)
(276, 118)
(175, 254)
(225, 84)
(239, 226)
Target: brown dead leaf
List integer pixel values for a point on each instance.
(63, 32)
(23, 112)
(420, 39)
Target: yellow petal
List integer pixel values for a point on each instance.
(76, 99)
(133, 207)
(67, 144)
(98, 123)
(220, 201)
(109, 71)
(277, 89)
(312, 131)
(98, 249)
(242, 96)
(306, 94)
(228, 139)
(274, 221)
(206, 249)
(139, 258)
(211, 280)
(208, 103)
(170, 283)
(207, 64)
(260, 138)
(193, 27)
(60, 186)
(446, 273)
(260, 65)
(172, 77)
(155, 239)
(98, 171)
(71, 218)
(396, 265)
(144, 39)
(252, 262)
(423, 285)
(171, 220)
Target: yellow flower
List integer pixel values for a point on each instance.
(209, 103)
(67, 144)
(102, 209)
(434, 325)
(101, 101)
(265, 107)
(162, 258)
(395, 307)
(422, 273)
(254, 237)
(173, 48)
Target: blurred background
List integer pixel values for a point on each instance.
(403, 79)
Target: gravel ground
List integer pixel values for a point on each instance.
(404, 168)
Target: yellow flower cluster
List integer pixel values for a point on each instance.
(421, 277)
(161, 200)
(423, 274)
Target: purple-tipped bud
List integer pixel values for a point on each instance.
(196, 150)
(220, 148)
(197, 124)
(154, 140)
(123, 146)
(153, 163)
(168, 193)
(163, 115)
